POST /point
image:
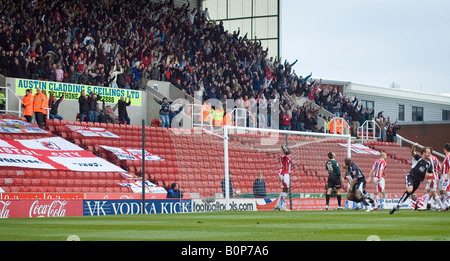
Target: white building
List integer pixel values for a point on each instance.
(406, 106)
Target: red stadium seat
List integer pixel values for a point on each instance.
(86, 182)
(94, 183)
(77, 183)
(62, 183)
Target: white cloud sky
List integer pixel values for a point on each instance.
(370, 41)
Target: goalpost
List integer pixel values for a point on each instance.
(249, 152)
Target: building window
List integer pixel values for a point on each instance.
(417, 113)
(445, 115)
(401, 112)
(368, 105)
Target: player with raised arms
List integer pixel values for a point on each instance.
(284, 176)
(415, 176)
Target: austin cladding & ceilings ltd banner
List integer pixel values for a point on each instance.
(108, 94)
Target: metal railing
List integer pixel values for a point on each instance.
(369, 130)
(198, 117)
(10, 107)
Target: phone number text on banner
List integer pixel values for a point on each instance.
(109, 95)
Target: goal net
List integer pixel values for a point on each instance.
(218, 168)
(252, 163)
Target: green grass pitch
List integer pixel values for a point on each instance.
(343, 225)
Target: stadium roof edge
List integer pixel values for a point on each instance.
(382, 91)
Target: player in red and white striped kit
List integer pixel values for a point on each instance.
(433, 182)
(378, 173)
(418, 203)
(284, 176)
(444, 182)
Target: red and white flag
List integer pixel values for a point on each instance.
(51, 153)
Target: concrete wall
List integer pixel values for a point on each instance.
(433, 135)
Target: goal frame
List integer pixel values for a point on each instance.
(227, 128)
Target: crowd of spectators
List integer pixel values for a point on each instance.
(125, 43)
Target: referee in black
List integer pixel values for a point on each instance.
(415, 176)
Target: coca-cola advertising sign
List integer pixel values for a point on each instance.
(54, 209)
(4, 209)
(40, 208)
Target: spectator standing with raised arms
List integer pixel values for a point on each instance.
(54, 104)
(164, 111)
(123, 114)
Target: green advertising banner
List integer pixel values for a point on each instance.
(108, 94)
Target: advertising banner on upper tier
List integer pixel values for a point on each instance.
(108, 94)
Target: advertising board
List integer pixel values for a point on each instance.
(236, 204)
(124, 207)
(26, 208)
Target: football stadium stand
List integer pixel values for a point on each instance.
(153, 48)
(194, 160)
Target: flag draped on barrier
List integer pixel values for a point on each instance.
(51, 153)
(92, 131)
(131, 154)
(18, 126)
(136, 187)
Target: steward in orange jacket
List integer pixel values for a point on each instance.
(27, 104)
(228, 119)
(45, 105)
(38, 107)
